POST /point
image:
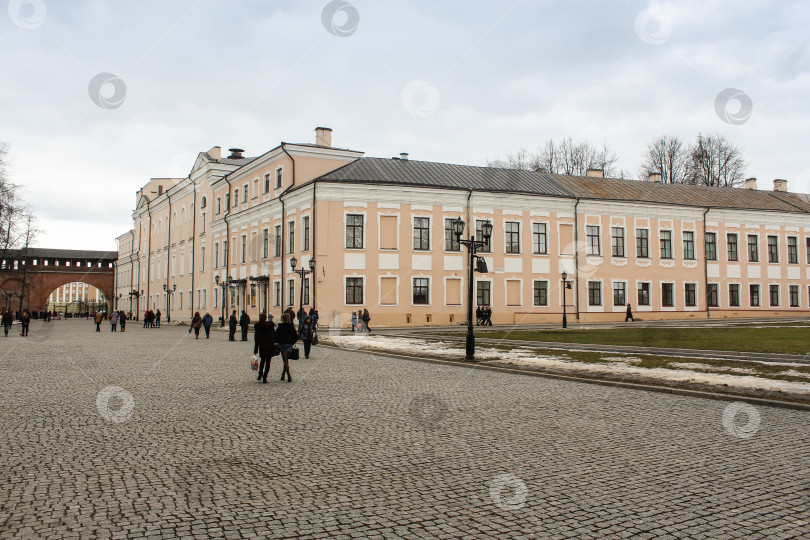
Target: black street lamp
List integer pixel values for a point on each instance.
(169, 301)
(475, 263)
(566, 285)
(303, 272)
(134, 293)
(224, 284)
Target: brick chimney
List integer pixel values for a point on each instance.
(323, 136)
(780, 185)
(595, 173)
(655, 177)
(750, 183)
(215, 152)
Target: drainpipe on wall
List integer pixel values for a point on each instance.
(148, 252)
(576, 256)
(706, 265)
(314, 236)
(168, 258)
(193, 246)
(228, 239)
(284, 223)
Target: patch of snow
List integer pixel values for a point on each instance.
(709, 367)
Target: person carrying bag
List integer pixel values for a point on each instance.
(264, 344)
(286, 336)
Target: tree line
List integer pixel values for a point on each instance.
(711, 160)
(18, 224)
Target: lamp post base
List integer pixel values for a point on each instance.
(469, 355)
(565, 321)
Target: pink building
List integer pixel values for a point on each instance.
(379, 231)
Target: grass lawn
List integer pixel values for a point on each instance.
(768, 340)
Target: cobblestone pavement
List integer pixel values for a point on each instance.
(152, 434)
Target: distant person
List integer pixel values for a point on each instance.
(300, 315)
(114, 321)
(305, 331)
(366, 318)
(98, 318)
(157, 319)
(207, 321)
(244, 324)
(25, 322)
(122, 320)
(354, 321)
(291, 314)
(7, 319)
(286, 337)
(264, 342)
(478, 316)
(196, 324)
(232, 326)
(628, 316)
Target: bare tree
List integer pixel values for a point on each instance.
(667, 156)
(566, 157)
(714, 161)
(29, 231)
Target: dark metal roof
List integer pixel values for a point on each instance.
(445, 175)
(235, 161)
(46, 253)
(408, 172)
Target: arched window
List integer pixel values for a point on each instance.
(182, 215)
(202, 203)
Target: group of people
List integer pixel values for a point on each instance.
(360, 321)
(198, 322)
(24, 318)
(116, 318)
(151, 319)
(270, 340)
(483, 316)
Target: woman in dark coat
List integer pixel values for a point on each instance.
(207, 321)
(286, 336)
(366, 318)
(196, 324)
(264, 341)
(305, 331)
(25, 322)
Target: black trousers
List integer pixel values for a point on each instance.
(307, 345)
(123, 327)
(232, 333)
(196, 333)
(207, 331)
(264, 367)
(98, 327)
(244, 333)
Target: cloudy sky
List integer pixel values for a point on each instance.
(459, 82)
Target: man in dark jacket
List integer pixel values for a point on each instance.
(232, 326)
(7, 320)
(244, 322)
(264, 341)
(157, 319)
(207, 321)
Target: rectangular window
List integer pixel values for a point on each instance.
(512, 232)
(665, 239)
(712, 297)
(451, 242)
(690, 294)
(731, 244)
(592, 234)
(421, 233)
(216, 255)
(354, 290)
(202, 259)
(276, 293)
(265, 243)
(594, 293)
(807, 249)
(753, 248)
(711, 246)
(266, 183)
(245, 194)
(479, 236)
(753, 293)
(305, 229)
(235, 197)
(354, 231)
(793, 250)
(774, 290)
(225, 253)
(644, 294)
(420, 291)
(291, 236)
(278, 178)
(541, 293)
(619, 293)
(539, 238)
(667, 295)
(617, 241)
(793, 290)
(642, 243)
(483, 295)
(219, 209)
(688, 244)
(216, 297)
(202, 221)
(734, 295)
(244, 248)
(306, 291)
(277, 248)
(773, 249)
(290, 292)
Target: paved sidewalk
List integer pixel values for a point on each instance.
(152, 434)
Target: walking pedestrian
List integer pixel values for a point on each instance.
(487, 316)
(366, 319)
(25, 322)
(7, 319)
(244, 324)
(146, 319)
(300, 315)
(98, 318)
(114, 321)
(629, 314)
(286, 338)
(477, 315)
(359, 321)
(291, 314)
(232, 326)
(314, 314)
(207, 321)
(305, 331)
(157, 319)
(354, 321)
(122, 320)
(196, 324)
(264, 341)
